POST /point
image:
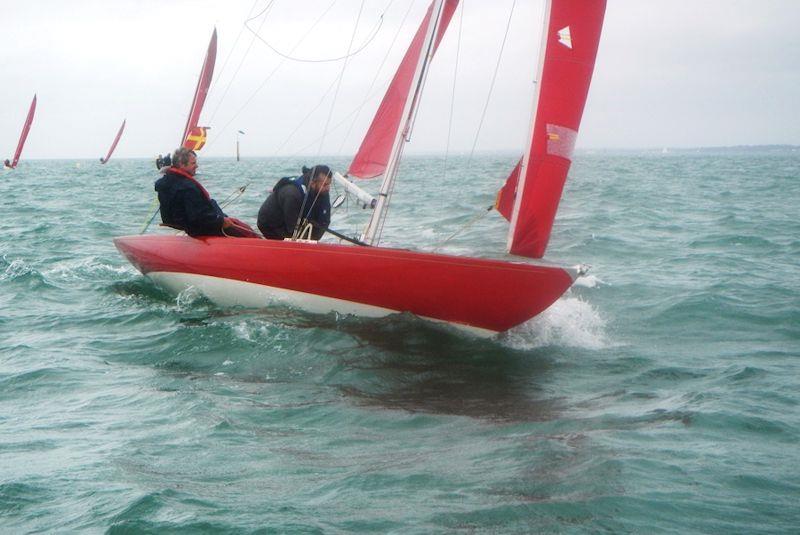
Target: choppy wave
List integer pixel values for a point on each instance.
(659, 394)
(569, 322)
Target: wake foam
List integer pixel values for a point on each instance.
(570, 322)
(86, 269)
(188, 298)
(16, 269)
(588, 281)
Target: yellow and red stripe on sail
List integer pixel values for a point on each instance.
(196, 138)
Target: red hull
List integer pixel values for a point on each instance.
(479, 293)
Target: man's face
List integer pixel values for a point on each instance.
(322, 183)
(191, 167)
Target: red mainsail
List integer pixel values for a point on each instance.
(376, 148)
(114, 145)
(203, 84)
(24, 135)
(569, 48)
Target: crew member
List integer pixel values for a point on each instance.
(296, 202)
(186, 205)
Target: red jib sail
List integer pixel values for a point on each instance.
(24, 135)
(201, 91)
(114, 145)
(569, 47)
(505, 197)
(376, 148)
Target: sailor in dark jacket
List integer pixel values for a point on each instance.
(280, 215)
(185, 203)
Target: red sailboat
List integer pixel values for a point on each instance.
(114, 144)
(194, 137)
(481, 295)
(23, 136)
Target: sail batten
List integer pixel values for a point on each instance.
(24, 135)
(114, 144)
(201, 91)
(569, 49)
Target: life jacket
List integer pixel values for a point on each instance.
(296, 181)
(184, 174)
(314, 208)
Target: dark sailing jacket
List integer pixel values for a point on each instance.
(185, 204)
(279, 214)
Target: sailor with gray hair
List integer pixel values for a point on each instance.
(186, 205)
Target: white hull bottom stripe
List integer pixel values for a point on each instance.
(230, 293)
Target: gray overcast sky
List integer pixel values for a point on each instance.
(670, 73)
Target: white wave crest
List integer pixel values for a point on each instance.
(188, 297)
(570, 322)
(17, 268)
(588, 281)
(259, 330)
(83, 268)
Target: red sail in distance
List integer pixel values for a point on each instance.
(373, 155)
(114, 145)
(24, 135)
(570, 41)
(201, 90)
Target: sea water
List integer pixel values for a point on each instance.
(659, 395)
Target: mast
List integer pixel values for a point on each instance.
(375, 225)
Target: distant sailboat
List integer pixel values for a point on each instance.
(481, 295)
(194, 137)
(23, 136)
(114, 144)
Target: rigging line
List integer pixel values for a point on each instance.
(241, 62)
(405, 137)
(453, 95)
(377, 72)
(154, 208)
(234, 196)
(298, 226)
(308, 115)
(271, 74)
(355, 110)
(325, 60)
(341, 77)
(230, 52)
(388, 203)
(491, 86)
(463, 227)
(334, 127)
(325, 95)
